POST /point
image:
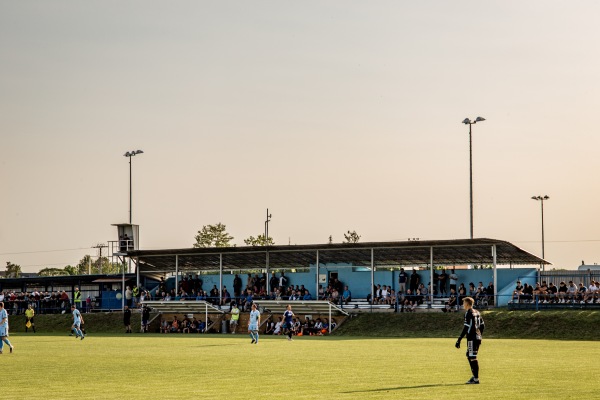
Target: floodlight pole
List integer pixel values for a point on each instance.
(467, 121)
(130, 154)
(541, 200)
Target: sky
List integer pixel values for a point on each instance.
(336, 116)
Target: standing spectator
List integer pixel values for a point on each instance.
(453, 280)
(443, 279)
(436, 280)
(415, 279)
(136, 295)
(77, 298)
(283, 280)
(128, 296)
(237, 287)
(402, 279)
(273, 282)
(127, 319)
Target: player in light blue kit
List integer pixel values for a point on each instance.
(253, 324)
(4, 329)
(77, 320)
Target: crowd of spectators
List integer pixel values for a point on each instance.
(185, 325)
(308, 327)
(564, 293)
(55, 302)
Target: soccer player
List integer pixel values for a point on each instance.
(77, 321)
(4, 328)
(288, 324)
(127, 319)
(253, 324)
(473, 329)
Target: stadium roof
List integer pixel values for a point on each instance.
(409, 253)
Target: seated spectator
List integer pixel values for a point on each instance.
(333, 324)
(307, 326)
(318, 326)
(346, 295)
(185, 325)
(175, 325)
(581, 292)
(164, 326)
(383, 297)
(562, 292)
(201, 326)
(489, 291)
(296, 325)
(590, 293)
(278, 327)
(321, 293)
(518, 292)
(571, 292)
(307, 295)
(269, 327)
(472, 290)
(335, 296)
(325, 326)
(451, 303)
(409, 302)
(527, 293)
(552, 292)
(392, 297)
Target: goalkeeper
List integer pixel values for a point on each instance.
(473, 329)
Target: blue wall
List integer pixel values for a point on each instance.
(359, 280)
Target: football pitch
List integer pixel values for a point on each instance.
(228, 367)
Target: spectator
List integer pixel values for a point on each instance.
(164, 326)
(283, 280)
(562, 292)
(443, 280)
(489, 291)
(552, 292)
(590, 292)
(527, 292)
(237, 286)
(402, 279)
(278, 327)
(307, 295)
(347, 295)
(235, 316)
(415, 279)
(571, 292)
(175, 325)
(451, 303)
(453, 278)
(517, 293)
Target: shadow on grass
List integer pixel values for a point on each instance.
(405, 387)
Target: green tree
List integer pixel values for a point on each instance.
(84, 265)
(213, 236)
(71, 270)
(52, 272)
(259, 241)
(12, 270)
(351, 237)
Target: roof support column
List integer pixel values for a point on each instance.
(372, 278)
(137, 271)
(220, 278)
(122, 286)
(494, 260)
(431, 282)
(176, 274)
(317, 279)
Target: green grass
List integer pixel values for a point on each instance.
(227, 367)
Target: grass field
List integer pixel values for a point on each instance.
(227, 367)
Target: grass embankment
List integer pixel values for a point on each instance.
(499, 324)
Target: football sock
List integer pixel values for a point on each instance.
(5, 340)
(474, 368)
(256, 334)
(252, 335)
(78, 331)
(290, 334)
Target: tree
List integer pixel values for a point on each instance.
(12, 270)
(213, 236)
(84, 265)
(351, 237)
(52, 272)
(71, 270)
(259, 241)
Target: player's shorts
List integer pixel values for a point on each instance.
(3, 331)
(286, 325)
(473, 348)
(77, 324)
(253, 327)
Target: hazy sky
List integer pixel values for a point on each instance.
(336, 115)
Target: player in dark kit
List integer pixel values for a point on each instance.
(473, 329)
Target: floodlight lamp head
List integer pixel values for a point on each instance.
(138, 152)
(127, 154)
(535, 197)
(479, 119)
(466, 121)
(546, 197)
